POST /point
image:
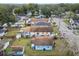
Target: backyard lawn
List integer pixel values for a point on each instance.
(59, 50)
(12, 31)
(21, 42)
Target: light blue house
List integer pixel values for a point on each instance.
(17, 50)
(42, 43)
(45, 47)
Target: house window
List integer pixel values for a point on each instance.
(47, 46)
(37, 33)
(44, 49)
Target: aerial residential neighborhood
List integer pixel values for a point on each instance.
(39, 29)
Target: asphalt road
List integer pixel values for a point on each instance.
(67, 33)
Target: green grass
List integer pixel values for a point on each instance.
(7, 51)
(55, 29)
(21, 42)
(12, 31)
(66, 21)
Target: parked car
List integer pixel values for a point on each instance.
(2, 33)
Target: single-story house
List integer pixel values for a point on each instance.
(36, 31)
(29, 13)
(17, 50)
(40, 16)
(21, 17)
(42, 43)
(41, 24)
(34, 20)
(41, 30)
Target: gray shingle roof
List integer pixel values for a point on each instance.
(42, 24)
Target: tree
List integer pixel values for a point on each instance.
(18, 11)
(6, 15)
(33, 8)
(46, 11)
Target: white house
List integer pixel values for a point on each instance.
(38, 34)
(4, 44)
(34, 20)
(36, 31)
(25, 31)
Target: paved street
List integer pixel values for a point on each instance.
(71, 37)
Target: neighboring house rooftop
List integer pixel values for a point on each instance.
(27, 29)
(76, 21)
(17, 50)
(1, 31)
(22, 17)
(42, 24)
(37, 29)
(39, 20)
(44, 40)
(1, 27)
(40, 16)
(41, 29)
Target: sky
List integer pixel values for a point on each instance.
(38, 1)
